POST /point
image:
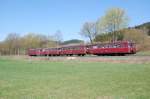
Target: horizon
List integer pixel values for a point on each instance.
(48, 16)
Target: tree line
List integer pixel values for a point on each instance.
(16, 45)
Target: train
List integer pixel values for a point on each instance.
(99, 49)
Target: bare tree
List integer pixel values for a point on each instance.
(89, 30)
(58, 37)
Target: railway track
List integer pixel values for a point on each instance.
(114, 59)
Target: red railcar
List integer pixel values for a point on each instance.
(35, 52)
(73, 50)
(51, 52)
(114, 48)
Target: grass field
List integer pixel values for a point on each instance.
(73, 80)
(146, 53)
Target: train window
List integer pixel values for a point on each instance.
(69, 48)
(114, 46)
(106, 46)
(76, 48)
(95, 47)
(72, 48)
(102, 46)
(131, 45)
(65, 48)
(118, 45)
(99, 46)
(110, 46)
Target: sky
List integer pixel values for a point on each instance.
(68, 16)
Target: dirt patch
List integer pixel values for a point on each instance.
(107, 59)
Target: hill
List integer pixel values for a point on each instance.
(144, 26)
(73, 41)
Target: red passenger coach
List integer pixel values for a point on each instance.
(52, 52)
(73, 50)
(35, 52)
(114, 48)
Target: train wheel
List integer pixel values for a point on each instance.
(99, 55)
(83, 54)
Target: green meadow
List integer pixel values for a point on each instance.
(25, 79)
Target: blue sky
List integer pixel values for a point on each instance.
(68, 16)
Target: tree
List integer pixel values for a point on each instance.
(12, 43)
(58, 37)
(89, 30)
(114, 20)
(32, 40)
(104, 37)
(138, 36)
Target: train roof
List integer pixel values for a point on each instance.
(115, 42)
